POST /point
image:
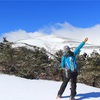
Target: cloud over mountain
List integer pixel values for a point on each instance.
(65, 30)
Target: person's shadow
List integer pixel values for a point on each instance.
(86, 95)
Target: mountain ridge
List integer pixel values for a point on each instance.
(53, 43)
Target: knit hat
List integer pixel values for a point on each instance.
(66, 48)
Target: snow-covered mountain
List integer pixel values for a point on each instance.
(15, 88)
(53, 43)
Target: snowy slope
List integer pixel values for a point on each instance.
(15, 88)
(53, 43)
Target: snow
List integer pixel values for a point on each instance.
(16, 88)
(53, 43)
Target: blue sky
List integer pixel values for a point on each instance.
(67, 18)
(33, 15)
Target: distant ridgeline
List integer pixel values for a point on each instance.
(36, 63)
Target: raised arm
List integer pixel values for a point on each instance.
(76, 51)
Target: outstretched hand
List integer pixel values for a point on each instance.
(86, 39)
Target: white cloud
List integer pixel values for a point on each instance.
(20, 34)
(62, 30)
(67, 30)
(16, 35)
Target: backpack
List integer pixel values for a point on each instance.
(70, 62)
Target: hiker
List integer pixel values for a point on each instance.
(68, 62)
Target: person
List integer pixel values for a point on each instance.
(68, 62)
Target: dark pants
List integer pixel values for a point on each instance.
(73, 77)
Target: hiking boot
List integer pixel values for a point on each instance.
(71, 98)
(58, 97)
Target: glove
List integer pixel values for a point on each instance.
(86, 39)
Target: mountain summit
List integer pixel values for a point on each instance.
(53, 43)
